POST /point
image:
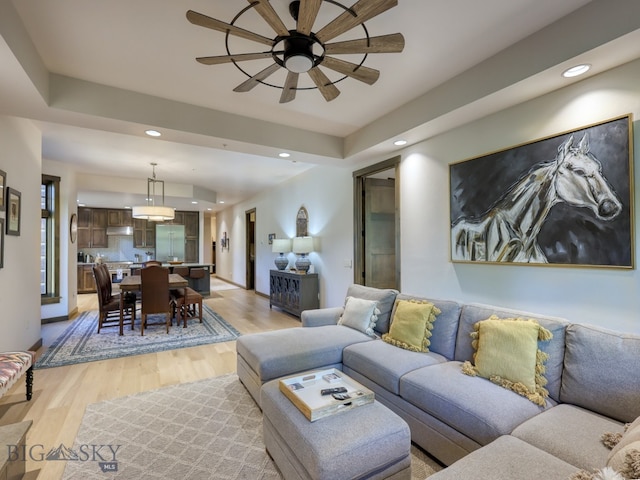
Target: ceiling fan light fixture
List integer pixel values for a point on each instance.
(298, 55)
(298, 63)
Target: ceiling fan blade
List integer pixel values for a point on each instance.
(208, 22)
(328, 90)
(307, 15)
(266, 11)
(359, 72)
(257, 78)
(240, 57)
(393, 43)
(289, 88)
(363, 9)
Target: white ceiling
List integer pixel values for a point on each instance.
(94, 75)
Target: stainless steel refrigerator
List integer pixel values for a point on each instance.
(170, 241)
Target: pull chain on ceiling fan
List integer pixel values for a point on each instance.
(303, 51)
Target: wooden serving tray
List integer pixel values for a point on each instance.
(304, 391)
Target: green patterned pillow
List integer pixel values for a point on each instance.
(411, 325)
(507, 354)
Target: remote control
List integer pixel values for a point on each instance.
(331, 391)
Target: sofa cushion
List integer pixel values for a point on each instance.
(473, 406)
(507, 458)
(570, 433)
(601, 371)
(507, 354)
(384, 297)
(360, 314)
(630, 440)
(445, 328)
(384, 364)
(283, 352)
(411, 325)
(471, 314)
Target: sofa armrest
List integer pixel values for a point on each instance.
(321, 317)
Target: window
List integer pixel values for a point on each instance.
(50, 239)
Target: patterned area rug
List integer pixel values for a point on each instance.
(210, 429)
(81, 343)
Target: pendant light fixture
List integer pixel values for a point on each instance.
(151, 211)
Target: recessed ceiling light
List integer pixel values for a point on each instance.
(194, 202)
(221, 201)
(284, 155)
(399, 143)
(209, 209)
(153, 133)
(576, 70)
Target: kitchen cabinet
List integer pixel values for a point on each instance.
(144, 233)
(293, 292)
(92, 227)
(191, 222)
(86, 282)
(119, 218)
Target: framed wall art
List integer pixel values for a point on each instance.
(3, 183)
(562, 200)
(1, 242)
(13, 211)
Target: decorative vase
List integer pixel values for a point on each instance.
(281, 262)
(303, 263)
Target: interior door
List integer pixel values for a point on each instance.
(251, 249)
(380, 233)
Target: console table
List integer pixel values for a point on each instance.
(293, 292)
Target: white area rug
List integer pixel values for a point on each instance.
(210, 429)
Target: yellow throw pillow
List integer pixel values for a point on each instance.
(507, 353)
(411, 325)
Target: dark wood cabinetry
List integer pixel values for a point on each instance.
(86, 282)
(293, 292)
(92, 227)
(144, 233)
(119, 218)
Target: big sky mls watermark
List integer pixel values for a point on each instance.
(103, 455)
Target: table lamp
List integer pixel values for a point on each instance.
(302, 246)
(281, 246)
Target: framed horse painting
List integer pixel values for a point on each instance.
(563, 200)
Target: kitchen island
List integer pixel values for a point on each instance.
(199, 275)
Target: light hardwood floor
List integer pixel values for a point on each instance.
(61, 394)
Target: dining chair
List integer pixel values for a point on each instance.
(185, 302)
(154, 285)
(108, 303)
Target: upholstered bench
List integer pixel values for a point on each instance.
(12, 366)
(369, 441)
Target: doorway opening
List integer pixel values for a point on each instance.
(250, 217)
(377, 225)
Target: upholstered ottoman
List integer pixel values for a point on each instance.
(366, 442)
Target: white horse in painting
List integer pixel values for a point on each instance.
(508, 232)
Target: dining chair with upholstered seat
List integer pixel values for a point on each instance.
(154, 285)
(151, 263)
(108, 303)
(185, 302)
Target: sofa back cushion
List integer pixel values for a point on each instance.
(473, 313)
(384, 297)
(445, 327)
(602, 371)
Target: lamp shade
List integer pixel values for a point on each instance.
(155, 213)
(303, 244)
(281, 245)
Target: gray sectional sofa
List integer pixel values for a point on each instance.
(478, 429)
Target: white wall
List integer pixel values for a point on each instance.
(20, 276)
(68, 251)
(605, 297)
(326, 193)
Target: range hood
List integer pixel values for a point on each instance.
(120, 231)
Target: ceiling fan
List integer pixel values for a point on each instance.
(304, 50)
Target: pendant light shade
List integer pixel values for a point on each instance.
(151, 211)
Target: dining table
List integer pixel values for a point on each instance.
(133, 283)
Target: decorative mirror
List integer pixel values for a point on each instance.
(302, 222)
